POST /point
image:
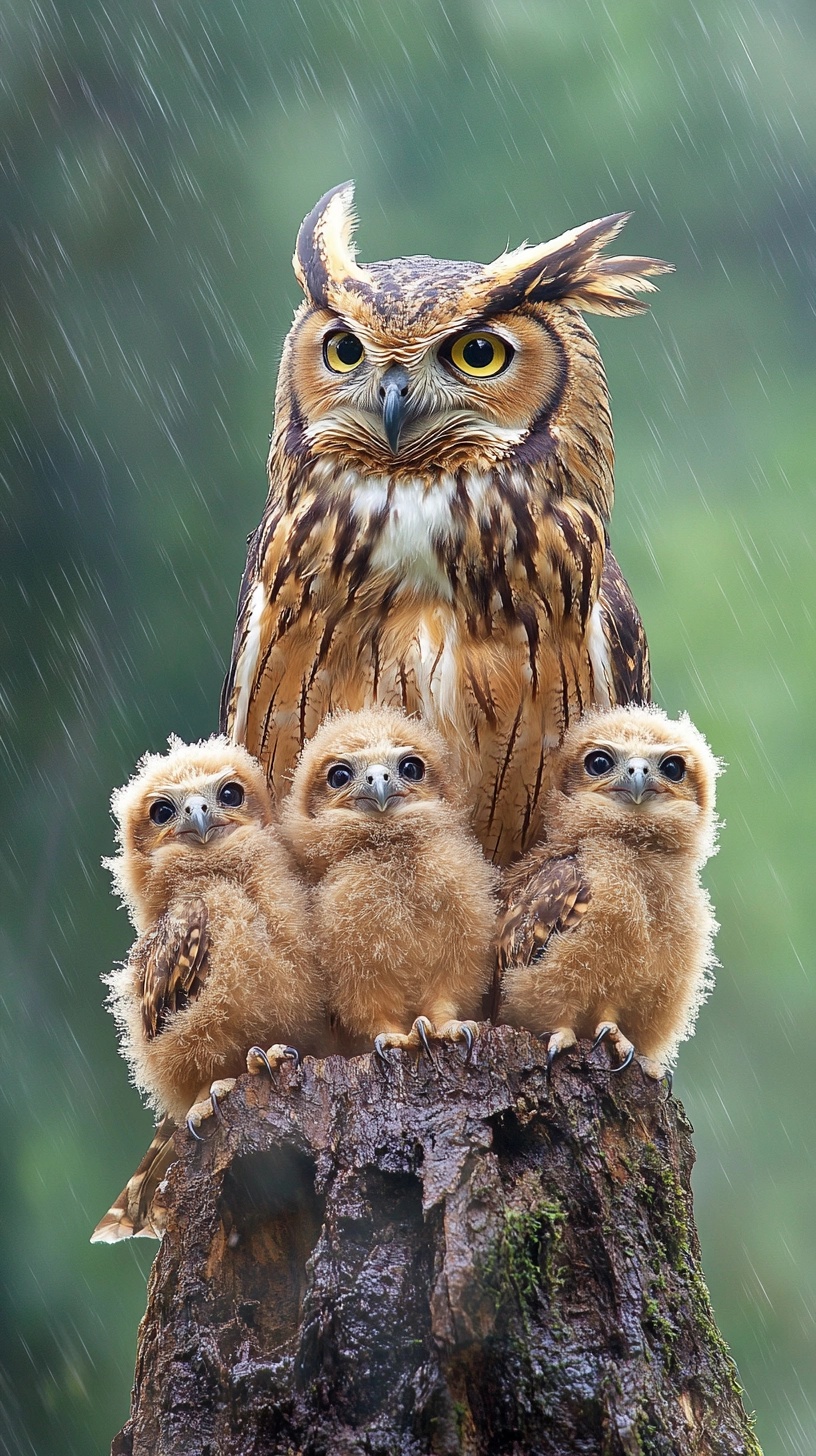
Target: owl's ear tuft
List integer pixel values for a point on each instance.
(325, 255)
(570, 269)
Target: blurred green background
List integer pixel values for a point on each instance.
(156, 163)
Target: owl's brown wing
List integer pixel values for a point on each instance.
(252, 575)
(138, 1212)
(627, 651)
(172, 963)
(550, 898)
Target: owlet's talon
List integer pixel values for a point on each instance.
(258, 1060)
(421, 1027)
(416, 1040)
(208, 1107)
(380, 1044)
(560, 1041)
(454, 1030)
(621, 1043)
(653, 1069)
(625, 1063)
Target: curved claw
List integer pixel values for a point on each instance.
(419, 1027)
(552, 1053)
(293, 1055)
(625, 1063)
(194, 1131)
(599, 1038)
(668, 1078)
(380, 1050)
(217, 1113)
(469, 1039)
(258, 1054)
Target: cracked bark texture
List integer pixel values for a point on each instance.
(442, 1258)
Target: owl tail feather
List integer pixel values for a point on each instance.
(139, 1212)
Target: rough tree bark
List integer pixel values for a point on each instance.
(447, 1259)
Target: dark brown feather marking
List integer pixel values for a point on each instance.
(304, 697)
(300, 533)
(552, 899)
(526, 545)
(625, 637)
(483, 698)
(374, 648)
(172, 961)
(565, 699)
(270, 709)
(498, 782)
(346, 531)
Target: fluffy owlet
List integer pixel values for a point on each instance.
(223, 962)
(403, 901)
(608, 931)
(434, 538)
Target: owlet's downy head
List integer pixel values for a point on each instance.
(366, 777)
(180, 806)
(640, 776)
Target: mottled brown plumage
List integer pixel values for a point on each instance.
(172, 963)
(434, 538)
(402, 900)
(223, 960)
(607, 929)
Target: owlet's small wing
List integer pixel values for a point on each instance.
(172, 963)
(553, 898)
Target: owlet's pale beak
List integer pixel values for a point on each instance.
(638, 778)
(195, 816)
(393, 394)
(379, 786)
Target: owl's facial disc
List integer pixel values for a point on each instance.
(200, 815)
(635, 777)
(374, 786)
(382, 398)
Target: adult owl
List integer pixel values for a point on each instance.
(434, 538)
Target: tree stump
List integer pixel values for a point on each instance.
(447, 1257)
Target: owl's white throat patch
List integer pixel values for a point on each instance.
(418, 521)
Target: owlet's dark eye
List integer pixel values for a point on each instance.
(673, 768)
(343, 352)
(598, 763)
(339, 775)
(413, 769)
(480, 355)
(162, 811)
(231, 795)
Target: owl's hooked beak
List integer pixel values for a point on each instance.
(379, 787)
(196, 818)
(639, 779)
(393, 393)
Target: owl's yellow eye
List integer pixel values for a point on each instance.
(343, 352)
(480, 355)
